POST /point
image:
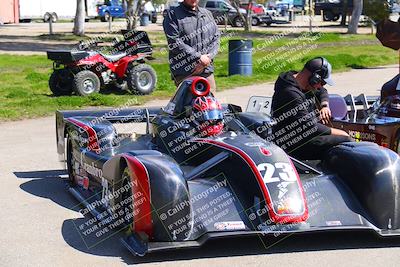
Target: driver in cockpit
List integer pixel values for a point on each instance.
(209, 116)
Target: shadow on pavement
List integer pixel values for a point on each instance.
(48, 185)
(40, 174)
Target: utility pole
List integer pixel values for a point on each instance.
(309, 14)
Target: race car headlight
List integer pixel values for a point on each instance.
(290, 206)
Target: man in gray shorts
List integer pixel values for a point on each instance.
(193, 41)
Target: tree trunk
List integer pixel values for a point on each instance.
(344, 12)
(248, 25)
(355, 16)
(79, 22)
(236, 5)
(132, 13)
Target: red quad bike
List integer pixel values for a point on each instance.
(85, 71)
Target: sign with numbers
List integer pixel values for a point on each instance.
(260, 104)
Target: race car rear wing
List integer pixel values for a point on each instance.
(121, 115)
(115, 115)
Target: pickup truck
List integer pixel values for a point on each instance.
(115, 9)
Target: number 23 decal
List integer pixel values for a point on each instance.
(285, 172)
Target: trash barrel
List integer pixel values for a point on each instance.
(240, 60)
(144, 20)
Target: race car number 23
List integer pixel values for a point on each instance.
(282, 171)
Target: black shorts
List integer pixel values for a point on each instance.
(317, 147)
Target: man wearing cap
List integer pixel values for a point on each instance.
(298, 129)
(193, 41)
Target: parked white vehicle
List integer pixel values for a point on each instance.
(57, 9)
(271, 12)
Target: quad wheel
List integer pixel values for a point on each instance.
(60, 82)
(86, 82)
(141, 79)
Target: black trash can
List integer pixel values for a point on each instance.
(240, 57)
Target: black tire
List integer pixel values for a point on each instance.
(107, 17)
(121, 85)
(336, 18)
(328, 16)
(70, 167)
(237, 22)
(46, 17)
(268, 23)
(141, 79)
(49, 15)
(103, 19)
(54, 16)
(255, 21)
(125, 205)
(86, 82)
(60, 82)
(153, 18)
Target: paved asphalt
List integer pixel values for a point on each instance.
(37, 212)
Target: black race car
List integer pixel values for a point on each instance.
(179, 185)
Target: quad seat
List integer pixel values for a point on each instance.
(114, 58)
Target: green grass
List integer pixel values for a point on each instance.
(24, 91)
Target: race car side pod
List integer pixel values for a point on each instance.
(137, 242)
(160, 191)
(373, 174)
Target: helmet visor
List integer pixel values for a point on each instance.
(215, 114)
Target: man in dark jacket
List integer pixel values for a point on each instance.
(193, 41)
(294, 106)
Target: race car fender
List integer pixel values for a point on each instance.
(373, 174)
(160, 193)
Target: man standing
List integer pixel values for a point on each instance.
(298, 130)
(193, 41)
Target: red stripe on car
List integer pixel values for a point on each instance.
(275, 217)
(140, 184)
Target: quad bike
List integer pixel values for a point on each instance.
(86, 70)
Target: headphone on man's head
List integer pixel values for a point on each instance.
(317, 76)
